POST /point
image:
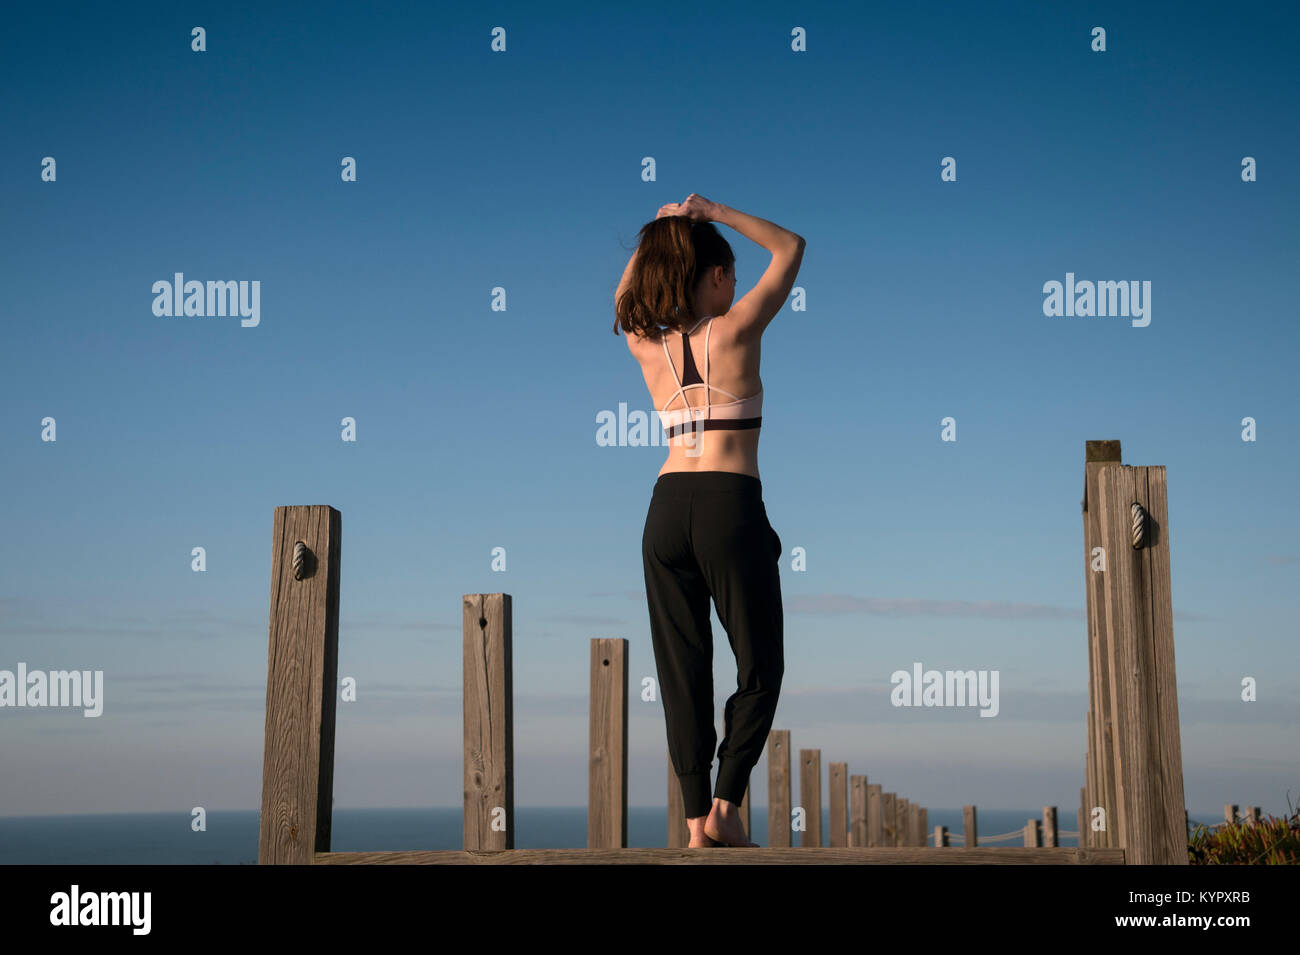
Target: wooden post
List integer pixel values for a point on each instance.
(1049, 827)
(1033, 838)
(923, 826)
(1088, 770)
(875, 814)
(679, 834)
(1144, 701)
(968, 827)
(838, 779)
(915, 834)
(607, 745)
(1083, 818)
(859, 812)
(489, 722)
(1252, 815)
(1100, 767)
(889, 814)
(1230, 813)
(778, 789)
(301, 686)
(940, 837)
(810, 795)
(1091, 772)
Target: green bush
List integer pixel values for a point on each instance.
(1274, 840)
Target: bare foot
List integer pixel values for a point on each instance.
(724, 827)
(699, 839)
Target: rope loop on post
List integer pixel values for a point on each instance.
(1139, 525)
(300, 557)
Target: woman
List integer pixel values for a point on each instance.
(706, 531)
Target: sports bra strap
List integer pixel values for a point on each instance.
(707, 390)
(685, 344)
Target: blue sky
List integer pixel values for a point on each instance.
(477, 428)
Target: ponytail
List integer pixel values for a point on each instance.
(672, 252)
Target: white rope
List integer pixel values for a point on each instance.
(1139, 525)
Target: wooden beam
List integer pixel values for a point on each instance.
(733, 856)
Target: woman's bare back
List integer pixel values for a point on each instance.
(733, 365)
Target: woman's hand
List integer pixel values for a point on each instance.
(695, 207)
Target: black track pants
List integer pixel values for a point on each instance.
(707, 534)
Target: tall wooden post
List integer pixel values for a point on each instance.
(301, 685)
(838, 779)
(1133, 524)
(607, 745)
(1099, 771)
(489, 722)
(778, 789)
(810, 796)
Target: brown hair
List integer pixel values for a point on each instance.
(673, 253)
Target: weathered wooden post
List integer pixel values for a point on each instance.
(301, 679)
(1100, 765)
(679, 834)
(489, 722)
(859, 811)
(778, 789)
(940, 837)
(838, 779)
(607, 746)
(810, 795)
(969, 829)
(889, 818)
(1033, 837)
(875, 814)
(1137, 605)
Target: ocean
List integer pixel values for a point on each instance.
(231, 836)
